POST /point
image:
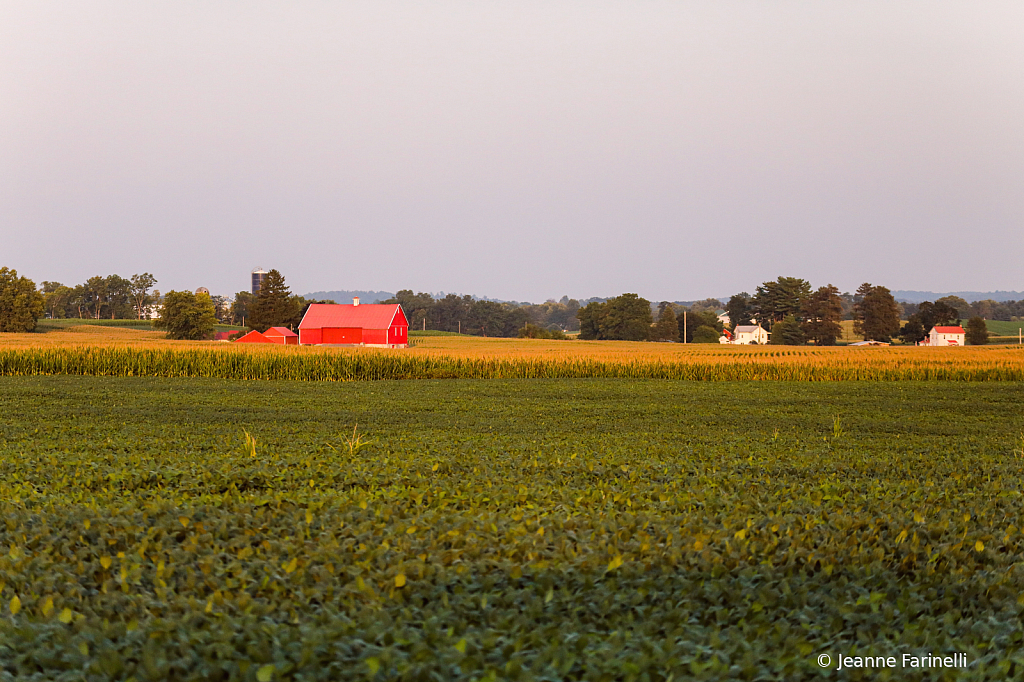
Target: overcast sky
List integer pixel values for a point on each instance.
(519, 150)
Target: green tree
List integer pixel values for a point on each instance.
(55, 297)
(20, 303)
(774, 301)
(187, 316)
(274, 305)
(241, 307)
(823, 312)
(692, 320)
(705, 334)
(913, 331)
(738, 309)
(416, 307)
(788, 332)
(138, 289)
(938, 313)
(977, 332)
(590, 321)
(878, 314)
(956, 303)
(627, 318)
(667, 328)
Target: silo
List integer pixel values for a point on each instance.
(258, 275)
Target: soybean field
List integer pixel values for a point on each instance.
(541, 529)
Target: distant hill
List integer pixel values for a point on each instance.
(969, 296)
(347, 296)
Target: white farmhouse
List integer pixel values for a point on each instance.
(748, 333)
(945, 336)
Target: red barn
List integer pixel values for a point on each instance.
(376, 325)
(282, 335)
(253, 337)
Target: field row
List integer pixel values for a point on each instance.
(585, 530)
(314, 364)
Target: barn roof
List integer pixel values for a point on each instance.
(279, 331)
(367, 315)
(253, 337)
(949, 330)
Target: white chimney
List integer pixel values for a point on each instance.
(355, 300)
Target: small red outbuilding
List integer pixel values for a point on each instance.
(282, 335)
(377, 325)
(253, 337)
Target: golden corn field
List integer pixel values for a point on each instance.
(133, 353)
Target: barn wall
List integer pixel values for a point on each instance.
(310, 336)
(395, 337)
(375, 336)
(342, 335)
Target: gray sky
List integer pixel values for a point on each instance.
(519, 150)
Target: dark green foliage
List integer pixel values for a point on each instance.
(746, 536)
(187, 316)
(20, 304)
(275, 306)
(532, 331)
(738, 309)
(624, 318)
(976, 332)
(667, 328)
(913, 331)
(774, 301)
(877, 313)
(694, 320)
(788, 332)
(823, 311)
(705, 334)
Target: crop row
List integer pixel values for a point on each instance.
(334, 365)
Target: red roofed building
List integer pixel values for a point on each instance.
(945, 336)
(253, 337)
(282, 335)
(375, 325)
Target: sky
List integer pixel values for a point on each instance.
(517, 150)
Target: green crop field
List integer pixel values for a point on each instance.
(1004, 328)
(581, 529)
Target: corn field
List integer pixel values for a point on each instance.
(304, 364)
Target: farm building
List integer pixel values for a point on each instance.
(945, 336)
(282, 335)
(253, 337)
(747, 334)
(377, 325)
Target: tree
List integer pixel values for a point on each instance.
(823, 312)
(138, 289)
(738, 309)
(913, 331)
(94, 294)
(590, 321)
(878, 313)
(241, 307)
(119, 297)
(55, 297)
(626, 317)
(788, 332)
(187, 316)
(938, 313)
(955, 303)
(977, 332)
(705, 334)
(667, 328)
(20, 304)
(693, 320)
(274, 305)
(774, 301)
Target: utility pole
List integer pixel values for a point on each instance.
(460, 326)
(684, 326)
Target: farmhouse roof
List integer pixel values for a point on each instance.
(279, 331)
(367, 315)
(949, 330)
(747, 328)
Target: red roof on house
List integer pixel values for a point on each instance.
(367, 316)
(279, 331)
(949, 330)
